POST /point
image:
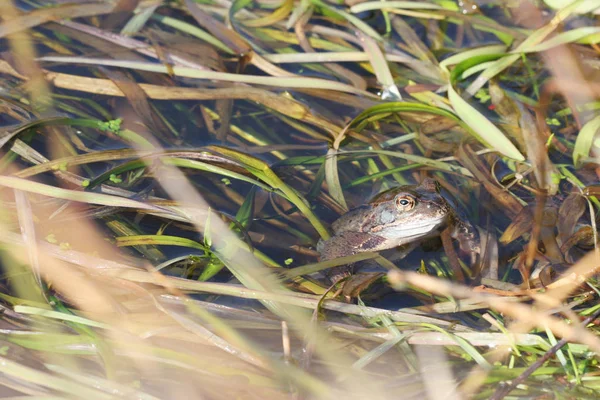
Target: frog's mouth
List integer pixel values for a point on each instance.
(413, 230)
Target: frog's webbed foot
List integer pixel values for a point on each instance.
(468, 241)
(467, 236)
(336, 274)
(347, 244)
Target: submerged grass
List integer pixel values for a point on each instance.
(169, 168)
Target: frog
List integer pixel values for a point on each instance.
(399, 216)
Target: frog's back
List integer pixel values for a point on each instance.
(352, 221)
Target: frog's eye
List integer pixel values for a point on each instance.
(405, 203)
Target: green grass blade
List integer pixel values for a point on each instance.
(476, 60)
(333, 179)
(192, 30)
(488, 133)
(59, 316)
(407, 5)
(261, 170)
(399, 106)
(467, 54)
(73, 195)
(585, 140)
(571, 36)
(165, 240)
(440, 165)
(358, 23)
(532, 40)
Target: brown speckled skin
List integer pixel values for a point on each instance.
(383, 223)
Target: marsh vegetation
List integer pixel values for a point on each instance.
(168, 168)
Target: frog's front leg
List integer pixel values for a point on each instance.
(468, 240)
(347, 244)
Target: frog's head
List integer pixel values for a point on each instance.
(408, 213)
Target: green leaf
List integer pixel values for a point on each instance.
(407, 5)
(399, 106)
(531, 41)
(358, 23)
(494, 69)
(571, 36)
(440, 165)
(58, 316)
(246, 211)
(74, 195)
(470, 62)
(213, 267)
(488, 133)
(468, 54)
(192, 30)
(138, 240)
(333, 179)
(583, 143)
(261, 170)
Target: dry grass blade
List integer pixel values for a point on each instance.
(518, 311)
(51, 381)
(277, 102)
(545, 172)
(333, 56)
(43, 15)
(132, 44)
(510, 205)
(27, 226)
(137, 21)
(138, 101)
(227, 36)
(504, 391)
